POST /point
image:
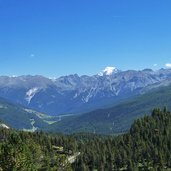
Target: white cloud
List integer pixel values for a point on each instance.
(168, 65)
(155, 65)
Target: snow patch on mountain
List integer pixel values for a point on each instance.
(30, 94)
(88, 97)
(108, 71)
(4, 126)
(53, 79)
(89, 94)
(75, 96)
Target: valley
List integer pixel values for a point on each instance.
(112, 117)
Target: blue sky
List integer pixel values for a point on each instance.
(61, 37)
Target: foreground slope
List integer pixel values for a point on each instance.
(25, 151)
(117, 119)
(147, 146)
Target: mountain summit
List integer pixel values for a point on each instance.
(108, 71)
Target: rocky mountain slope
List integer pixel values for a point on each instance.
(78, 94)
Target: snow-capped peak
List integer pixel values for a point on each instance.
(108, 71)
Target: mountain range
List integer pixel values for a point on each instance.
(75, 94)
(106, 103)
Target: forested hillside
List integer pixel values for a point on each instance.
(24, 151)
(147, 146)
(118, 118)
(19, 117)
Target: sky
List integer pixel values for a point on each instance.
(62, 37)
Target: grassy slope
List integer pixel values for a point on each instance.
(16, 117)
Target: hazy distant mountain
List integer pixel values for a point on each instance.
(77, 94)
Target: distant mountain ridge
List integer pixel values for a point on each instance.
(79, 94)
